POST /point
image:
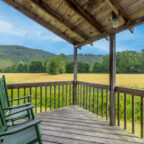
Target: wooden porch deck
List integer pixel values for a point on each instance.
(74, 125)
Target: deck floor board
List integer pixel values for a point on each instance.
(74, 125)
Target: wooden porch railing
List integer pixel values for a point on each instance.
(129, 104)
(129, 107)
(45, 96)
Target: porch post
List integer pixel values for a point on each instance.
(112, 77)
(75, 78)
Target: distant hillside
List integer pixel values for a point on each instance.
(19, 53)
(13, 54)
(90, 58)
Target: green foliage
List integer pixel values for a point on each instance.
(19, 53)
(5, 63)
(90, 58)
(56, 66)
(69, 67)
(11, 69)
(65, 58)
(35, 67)
(52, 67)
(97, 67)
(21, 67)
(17, 59)
(83, 67)
(126, 62)
(142, 60)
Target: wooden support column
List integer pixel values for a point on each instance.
(112, 77)
(75, 78)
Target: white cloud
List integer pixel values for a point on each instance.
(9, 28)
(102, 45)
(40, 35)
(28, 31)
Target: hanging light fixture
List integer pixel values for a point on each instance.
(115, 20)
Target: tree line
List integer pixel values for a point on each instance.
(126, 62)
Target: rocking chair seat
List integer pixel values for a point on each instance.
(26, 136)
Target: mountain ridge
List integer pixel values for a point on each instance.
(17, 53)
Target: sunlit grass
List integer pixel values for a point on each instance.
(126, 80)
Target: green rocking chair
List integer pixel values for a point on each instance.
(23, 133)
(13, 113)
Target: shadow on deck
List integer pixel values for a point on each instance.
(74, 125)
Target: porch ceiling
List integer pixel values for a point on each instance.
(82, 21)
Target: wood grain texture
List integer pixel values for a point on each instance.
(81, 21)
(112, 77)
(76, 125)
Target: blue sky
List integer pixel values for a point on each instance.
(17, 29)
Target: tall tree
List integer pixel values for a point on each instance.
(56, 66)
(69, 67)
(83, 67)
(35, 67)
(97, 68)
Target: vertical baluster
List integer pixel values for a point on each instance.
(58, 96)
(50, 95)
(66, 94)
(18, 95)
(90, 98)
(41, 99)
(97, 101)
(54, 96)
(86, 97)
(133, 114)
(118, 109)
(62, 95)
(35, 99)
(11, 97)
(93, 100)
(45, 98)
(78, 94)
(142, 118)
(125, 111)
(70, 94)
(107, 104)
(24, 95)
(83, 96)
(30, 94)
(102, 112)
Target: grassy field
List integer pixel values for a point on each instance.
(127, 80)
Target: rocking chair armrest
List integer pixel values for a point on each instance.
(20, 110)
(18, 106)
(21, 127)
(24, 97)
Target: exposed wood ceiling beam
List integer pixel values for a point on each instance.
(129, 25)
(47, 25)
(75, 6)
(54, 14)
(117, 9)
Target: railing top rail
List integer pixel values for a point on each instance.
(26, 85)
(95, 85)
(132, 91)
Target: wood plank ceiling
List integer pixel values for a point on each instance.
(82, 21)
